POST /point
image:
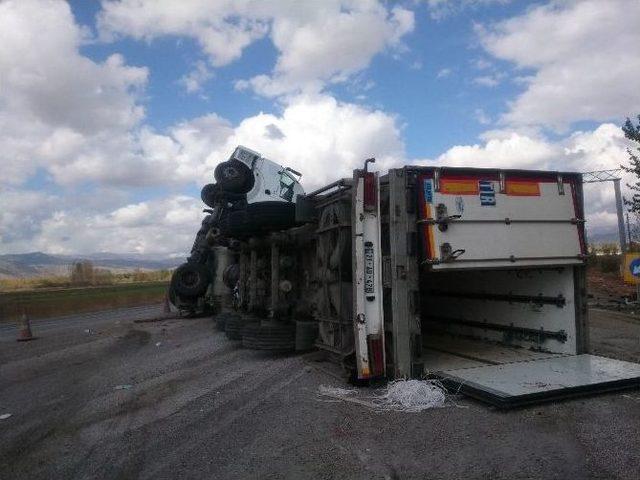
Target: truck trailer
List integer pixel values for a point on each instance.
(473, 276)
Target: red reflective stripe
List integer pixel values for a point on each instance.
(376, 355)
(541, 177)
(577, 211)
(370, 195)
(459, 186)
(522, 188)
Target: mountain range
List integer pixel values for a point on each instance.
(37, 264)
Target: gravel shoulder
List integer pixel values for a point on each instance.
(195, 405)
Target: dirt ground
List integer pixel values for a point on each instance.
(100, 396)
(608, 290)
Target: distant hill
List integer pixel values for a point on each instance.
(598, 238)
(42, 264)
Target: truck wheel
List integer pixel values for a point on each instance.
(208, 194)
(190, 279)
(233, 327)
(234, 176)
(275, 338)
(261, 217)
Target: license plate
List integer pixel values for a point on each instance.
(369, 277)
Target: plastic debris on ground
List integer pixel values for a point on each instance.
(123, 387)
(400, 395)
(4, 416)
(414, 395)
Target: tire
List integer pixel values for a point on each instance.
(234, 176)
(208, 194)
(275, 338)
(233, 327)
(260, 217)
(190, 280)
(200, 246)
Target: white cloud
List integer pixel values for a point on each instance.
(443, 73)
(331, 46)
(489, 80)
(315, 134)
(506, 150)
(600, 149)
(482, 64)
(441, 9)
(166, 225)
(56, 106)
(222, 28)
(580, 51)
(317, 42)
(79, 123)
(21, 214)
(481, 116)
(196, 78)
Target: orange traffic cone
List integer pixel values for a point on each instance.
(24, 334)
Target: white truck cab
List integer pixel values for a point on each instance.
(271, 182)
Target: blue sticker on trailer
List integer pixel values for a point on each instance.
(428, 191)
(487, 193)
(634, 267)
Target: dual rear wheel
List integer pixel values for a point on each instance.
(274, 337)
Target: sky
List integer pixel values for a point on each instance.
(114, 114)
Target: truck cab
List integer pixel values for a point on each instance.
(251, 195)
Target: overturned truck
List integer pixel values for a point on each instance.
(474, 276)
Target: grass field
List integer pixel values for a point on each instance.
(55, 302)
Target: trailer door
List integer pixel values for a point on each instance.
(520, 383)
(476, 219)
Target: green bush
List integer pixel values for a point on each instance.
(605, 263)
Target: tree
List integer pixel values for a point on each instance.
(82, 273)
(632, 132)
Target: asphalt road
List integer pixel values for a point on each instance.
(194, 405)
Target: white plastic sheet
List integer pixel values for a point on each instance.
(400, 395)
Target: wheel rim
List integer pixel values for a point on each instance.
(230, 173)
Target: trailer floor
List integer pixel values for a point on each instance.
(446, 352)
(100, 396)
